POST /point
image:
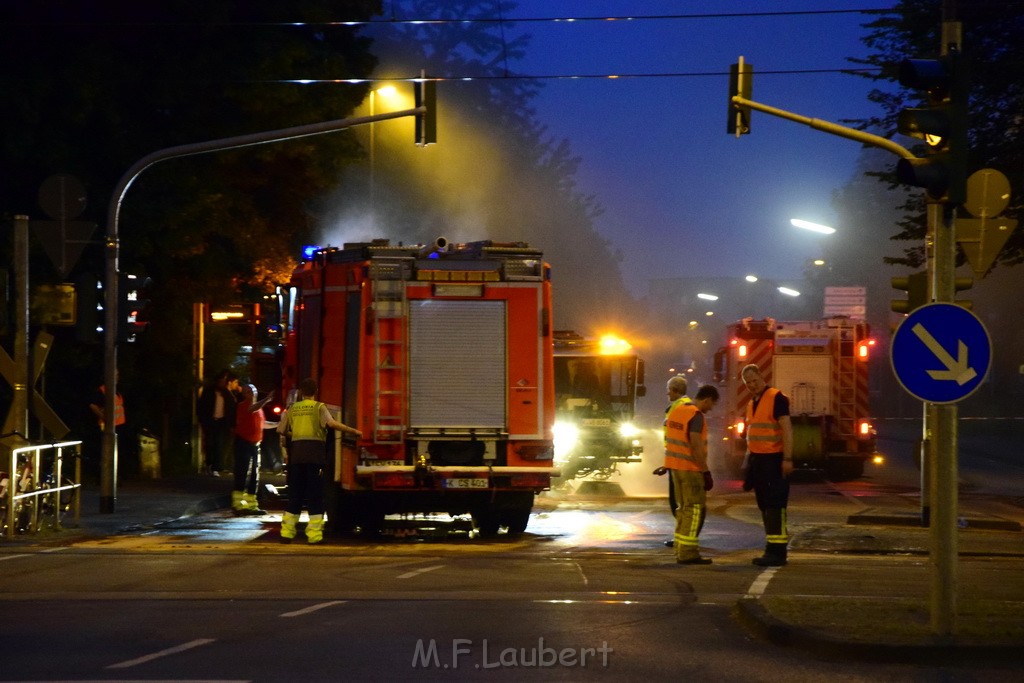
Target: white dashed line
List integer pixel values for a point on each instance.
(13, 557)
(417, 572)
(313, 608)
(163, 653)
(761, 582)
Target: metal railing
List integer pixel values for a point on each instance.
(30, 496)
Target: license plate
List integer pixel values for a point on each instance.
(465, 483)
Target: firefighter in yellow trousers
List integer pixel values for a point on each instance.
(303, 431)
(686, 458)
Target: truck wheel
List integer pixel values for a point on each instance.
(516, 521)
(486, 522)
(518, 507)
(341, 512)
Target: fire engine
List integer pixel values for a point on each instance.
(597, 382)
(822, 366)
(441, 355)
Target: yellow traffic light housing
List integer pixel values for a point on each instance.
(916, 287)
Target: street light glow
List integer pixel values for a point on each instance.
(386, 90)
(708, 297)
(819, 262)
(789, 292)
(751, 278)
(813, 227)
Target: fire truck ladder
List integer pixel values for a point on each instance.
(847, 384)
(389, 353)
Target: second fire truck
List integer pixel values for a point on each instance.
(822, 366)
(597, 382)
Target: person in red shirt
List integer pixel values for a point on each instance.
(248, 435)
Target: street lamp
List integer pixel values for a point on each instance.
(788, 291)
(813, 227)
(386, 91)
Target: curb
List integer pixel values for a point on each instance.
(914, 520)
(752, 615)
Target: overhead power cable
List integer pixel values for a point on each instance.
(478, 20)
(540, 77)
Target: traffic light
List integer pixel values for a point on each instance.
(942, 125)
(426, 124)
(90, 300)
(916, 287)
(959, 285)
(132, 304)
(741, 82)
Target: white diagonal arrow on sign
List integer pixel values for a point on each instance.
(955, 369)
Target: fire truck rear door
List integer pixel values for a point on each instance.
(457, 358)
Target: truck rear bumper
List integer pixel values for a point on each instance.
(454, 478)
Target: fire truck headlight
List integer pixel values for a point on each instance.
(567, 435)
(628, 430)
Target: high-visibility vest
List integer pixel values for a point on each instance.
(678, 449)
(304, 421)
(764, 433)
(118, 407)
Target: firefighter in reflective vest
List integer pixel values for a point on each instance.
(686, 457)
(303, 431)
(769, 461)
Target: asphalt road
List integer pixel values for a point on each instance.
(589, 592)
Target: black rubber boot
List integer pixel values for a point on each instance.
(774, 556)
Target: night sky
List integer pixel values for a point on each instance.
(655, 152)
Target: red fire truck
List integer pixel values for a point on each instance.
(442, 356)
(822, 366)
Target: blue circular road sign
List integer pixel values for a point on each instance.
(941, 353)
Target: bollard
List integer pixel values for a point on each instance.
(149, 455)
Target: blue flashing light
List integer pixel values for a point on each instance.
(433, 255)
(309, 251)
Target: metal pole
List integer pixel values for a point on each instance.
(945, 505)
(108, 476)
(19, 403)
(199, 350)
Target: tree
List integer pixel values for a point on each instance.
(995, 59)
(93, 87)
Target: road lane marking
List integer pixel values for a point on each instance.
(13, 557)
(756, 589)
(417, 572)
(162, 653)
(54, 550)
(313, 608)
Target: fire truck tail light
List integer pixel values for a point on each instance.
(530, 481)
(393, 480)
(742, 349)
(740, 426)
(864, 428)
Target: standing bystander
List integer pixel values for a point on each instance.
(97, 406)
(216, 412)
